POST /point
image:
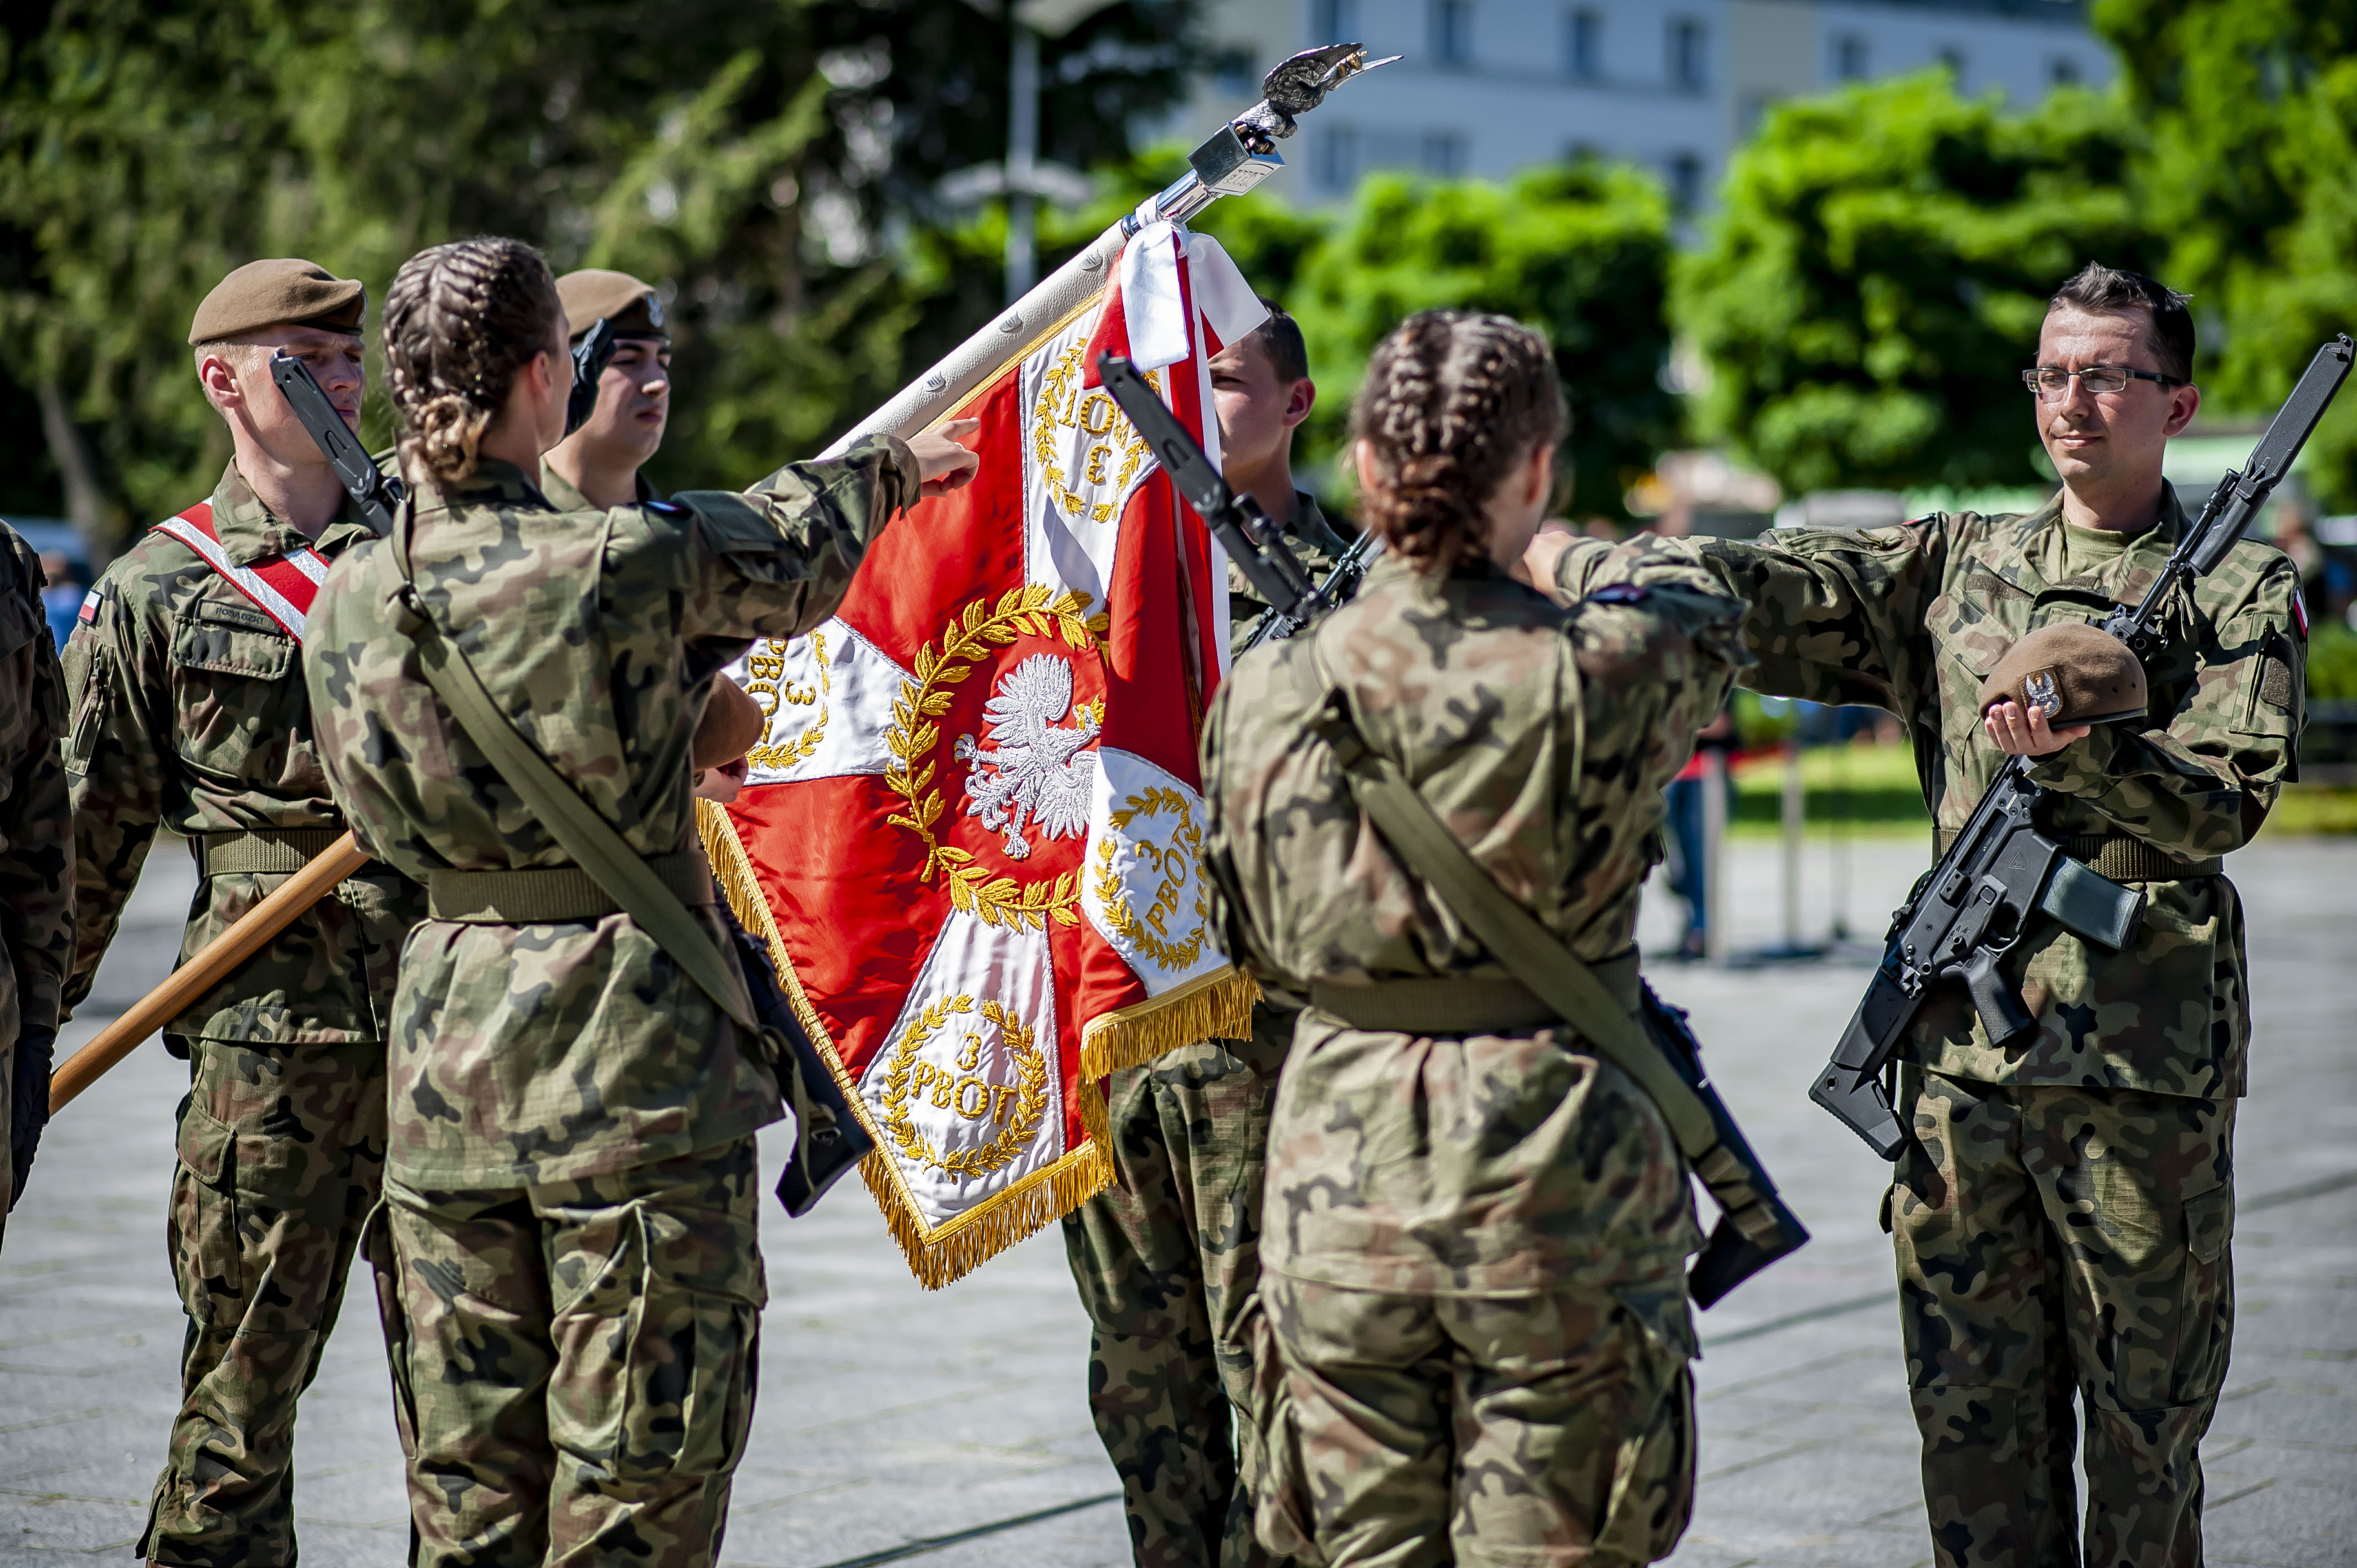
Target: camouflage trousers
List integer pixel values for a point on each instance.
(573, 1363)
(1168, 1262)
(2053, 1241)
(1424, 1430)
(281, 1151)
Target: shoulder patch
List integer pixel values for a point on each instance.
(2300, 612)
(92, 603)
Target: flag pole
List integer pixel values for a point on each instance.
(1237, 157)
(205, 970)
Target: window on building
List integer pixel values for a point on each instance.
(1444, 154)
(1849, 57)
(1452, 32)
(1232, 72)
(1953, 58)
(1336, 21)
(1338, 157)
(1686, 182)
(1688, 46)
(2062, 71)
(1583, 45)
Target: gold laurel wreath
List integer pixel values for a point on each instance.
(1057, 389)
(791, 753)
(1115, 897)
(1031, 1103)
(912, 736)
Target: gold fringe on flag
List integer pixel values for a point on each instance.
(938, 1255)
(1215, 1007)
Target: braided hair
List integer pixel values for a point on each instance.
(460, 320)
(1453, 400)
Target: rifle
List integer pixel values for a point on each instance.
(376, 492)
(2004, 871)
(1243, 530)
(1341, 586)
(590, 358)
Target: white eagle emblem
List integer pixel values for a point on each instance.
(1034, 771)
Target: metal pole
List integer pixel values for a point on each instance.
(1022, 156)
(1714, 835)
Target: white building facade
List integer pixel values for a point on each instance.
(1490, 87)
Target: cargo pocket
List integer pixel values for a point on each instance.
(202, 1230)
(1652, 1478)
(1281, 1507)
(376, 1256)
(2210, 1223)
(683, 1401)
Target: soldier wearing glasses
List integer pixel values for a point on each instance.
(2062, 1213)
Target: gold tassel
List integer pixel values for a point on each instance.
(1215, 1006)
(940, 1256)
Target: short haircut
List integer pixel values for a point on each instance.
(1280, 340)
(2106, 291)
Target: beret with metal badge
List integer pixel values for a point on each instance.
(634, 307)
(733, 723)
(283, 291)
(2080, 674)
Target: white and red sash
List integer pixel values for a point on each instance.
(280, 587)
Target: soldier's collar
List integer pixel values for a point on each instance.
(496, 481)
(249, 532)
(2016, 558)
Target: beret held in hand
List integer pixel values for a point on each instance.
(2080, 674)
(733, 723)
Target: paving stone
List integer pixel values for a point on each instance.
(950, 1428)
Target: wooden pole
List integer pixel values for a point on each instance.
(204, 972)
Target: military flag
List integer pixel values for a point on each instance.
(971, 829)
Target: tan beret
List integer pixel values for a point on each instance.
(633, 306)
(733, 723)
(285, 291)
(2079, 674)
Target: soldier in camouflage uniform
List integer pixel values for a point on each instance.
(36, 881)
(1168, 1259)
(1472, 1269)
(600, 464)
(2062, 1217)
(566, 1257)
(189, 714)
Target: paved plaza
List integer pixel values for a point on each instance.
(952, 1429)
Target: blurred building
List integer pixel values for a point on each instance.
(1489, 87)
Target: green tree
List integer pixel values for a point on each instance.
(1579, 250)
(2251, 170)
(758, 162)
(1874, 279)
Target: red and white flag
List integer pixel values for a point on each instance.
(975, 821)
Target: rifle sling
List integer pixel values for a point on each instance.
(1532, 953)
(596, 848)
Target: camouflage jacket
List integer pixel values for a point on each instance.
(1542, 736)
(562, 495)
(1911, 618)
(36, 817)
(543, 1053)
(1314, 544)
(1552, 776)
(188, 713)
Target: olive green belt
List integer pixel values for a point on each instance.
(263, 851)
(553, 894)
(1460, 1004)
(2124, 858)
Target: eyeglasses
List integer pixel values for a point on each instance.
(2053, 383)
